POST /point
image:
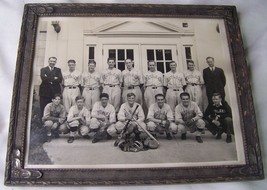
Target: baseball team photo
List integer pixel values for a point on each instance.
(132, 92)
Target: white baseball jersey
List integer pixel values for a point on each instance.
(194, 77)
(187, 113)
(111, 77)
(108, 111)
(75, 112)
(153, 79)
(126, 110)
(72, 78)
(53, 110)
(91, 80)
(160, 113)
(132, 78)
(174, 80)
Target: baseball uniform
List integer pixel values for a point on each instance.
(51, 79)
(91, 91)
(54, 115)
(153, 82)
(111, 80)
(108, 112)
(126, 110)
(75, 125)
(194, 82)
(191, 113)
(131, 81)
(71, 82)
(174, 81)
(164, 113)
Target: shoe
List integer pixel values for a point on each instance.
(183, 136)
(219, 135)
(229, 139)
(70, 139)
(49, 139)
(213, 133)
(109, 137)
(56, 135)
(169, 137)
(95, 140)
(199, 139)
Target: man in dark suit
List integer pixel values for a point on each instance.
(51, 78)
(214, 79)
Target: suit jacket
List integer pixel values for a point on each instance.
(50, 86)
(214, 81)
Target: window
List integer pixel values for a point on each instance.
(120, 55)
(188, 53)
(163, 57)
(91, 53)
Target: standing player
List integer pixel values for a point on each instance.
(51, 78)
(78, 119)
(174, 81)
(160, 118)
(194, 82)
(127, 113)
(91, 84)
(188, 115)
(132, 81)
(111, 80)
(153, 83)
(71, 81)
(214, 79)
(103, 118)
(54, 116)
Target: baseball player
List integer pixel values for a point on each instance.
(91, 84)
(125, 114)
(71, 82)
(188, 115)
(111, 80)
(194, 82)
(174, 82)
(103, 117)
(78, 119)
(54, 116)
(132, 81)
(218, 118)
(153, 81)
(160, 118)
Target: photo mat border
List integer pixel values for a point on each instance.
(16, 174)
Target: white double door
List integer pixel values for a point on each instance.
(141, 53)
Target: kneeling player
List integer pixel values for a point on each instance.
(188, 115)
(78, 119)
(130, 113)
(103, 117)
(54, 116)
(160, 117)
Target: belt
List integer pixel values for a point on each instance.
(193, 84)
(110, 85)
(131, 87)
(90, 88)
(177, 89)
(71, 87)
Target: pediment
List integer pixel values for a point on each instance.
(137, 27)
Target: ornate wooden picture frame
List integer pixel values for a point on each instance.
(182, 32)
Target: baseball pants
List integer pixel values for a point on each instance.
(199, 125)
(173, 97)
(114, 92)
(75, 127)
(150, 94)
(91, 96)
(69, 95)
(153, 127)
(119, 126)
(195, 93)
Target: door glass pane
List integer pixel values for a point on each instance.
(160, 66)
(168, 54)
(91, 53)
(168, 66)
(159, 54)
(150, 54)
(121, 55)
(129, 54)
(121, 65)
(188, 53)
(112, 53)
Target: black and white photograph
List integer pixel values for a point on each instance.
(132, 92)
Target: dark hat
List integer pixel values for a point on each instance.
(104, 95)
